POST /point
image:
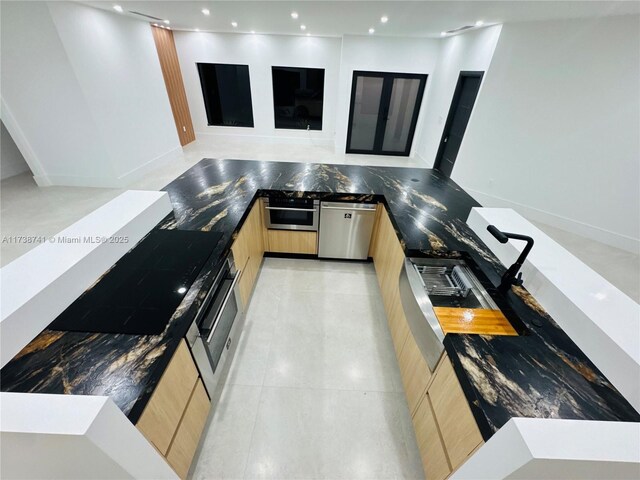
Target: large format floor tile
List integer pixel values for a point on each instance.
(332, 434)
(314, 389)
(227, 439)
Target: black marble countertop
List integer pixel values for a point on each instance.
(542, 374)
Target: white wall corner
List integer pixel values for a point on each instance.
(23, 145)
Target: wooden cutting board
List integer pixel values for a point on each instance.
(473, 320)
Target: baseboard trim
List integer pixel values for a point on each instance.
(76, 181)
(138, 172)
(602, 235)
(271, 139)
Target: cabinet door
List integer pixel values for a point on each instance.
(397, 323)
(160, 418)
(415, 372)
(434, 458)
(187, 437)
(457, 425)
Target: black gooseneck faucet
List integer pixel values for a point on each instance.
(511, 276)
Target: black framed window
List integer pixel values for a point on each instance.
(298, 95)
(227, 94)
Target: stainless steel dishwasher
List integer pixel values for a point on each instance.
(345, 230)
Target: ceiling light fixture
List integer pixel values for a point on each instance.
(294, 15)
(118, 8)
(234, 24)
(372, 30)
(197, 29)
(253, 31)
(166, 22)
(479, 23)
(442, 34)
(303, 27)
(384, 19)
(206, 11)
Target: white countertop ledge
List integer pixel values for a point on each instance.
(38, 286)
(602, 320)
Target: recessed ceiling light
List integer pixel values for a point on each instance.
(294, 15)
(442, 34)
(303, 27)
(372, 30)
(384, 19)
(182, 290)
(166, 22)
(234, 24)
(206, 11)
(479, 23)
(118, 8)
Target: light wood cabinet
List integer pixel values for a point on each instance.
(292, 241)
(187, 437)
(160, 418)
(459, 430)
(415, 372)
(434, 458)
(444, 425)
(248, 250)
(388, 257)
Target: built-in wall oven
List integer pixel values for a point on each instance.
(291, 213)
(214, 333)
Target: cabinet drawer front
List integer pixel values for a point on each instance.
(434, 458)
(291, 241)
(188, 435)
(160, 418)
(415, 372)
(457, 425)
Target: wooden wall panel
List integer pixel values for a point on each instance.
(173, 81)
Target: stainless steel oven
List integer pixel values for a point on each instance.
(291, 213)
(214, 333)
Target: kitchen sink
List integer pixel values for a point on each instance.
(451, 283)
(441, 296)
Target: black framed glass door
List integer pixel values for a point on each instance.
(384, 112)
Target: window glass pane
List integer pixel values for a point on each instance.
(401, 109)
(298, 97)
(365, 112)
(227, 94)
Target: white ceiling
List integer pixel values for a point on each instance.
(336, 18)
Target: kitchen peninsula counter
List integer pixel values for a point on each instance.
(541, 374)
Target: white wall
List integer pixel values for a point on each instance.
(11, 160)
(85, 89)
(73, 437)
(469, 51)
(383, 54)
(554, 133)
(260, 52)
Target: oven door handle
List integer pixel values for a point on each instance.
(224, 305)
(293, 209)
(360, 209)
